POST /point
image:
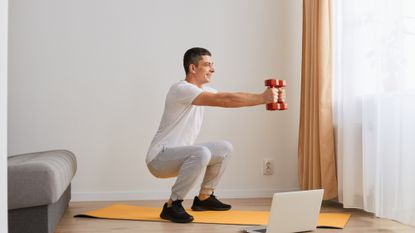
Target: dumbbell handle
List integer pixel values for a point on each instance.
(280, 104)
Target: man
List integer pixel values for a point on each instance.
(172, 152)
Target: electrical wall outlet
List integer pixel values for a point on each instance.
(268, 167)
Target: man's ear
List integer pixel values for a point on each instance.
(192, 68)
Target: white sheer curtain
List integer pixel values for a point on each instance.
(374, 105)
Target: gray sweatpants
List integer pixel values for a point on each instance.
(188, 162)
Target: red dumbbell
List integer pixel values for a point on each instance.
(280, 104)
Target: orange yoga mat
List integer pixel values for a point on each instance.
(236, 217)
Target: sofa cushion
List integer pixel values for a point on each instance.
(39, 178)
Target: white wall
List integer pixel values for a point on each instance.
(3, 115)
(91, 76)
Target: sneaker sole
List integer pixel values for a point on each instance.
(176, 220)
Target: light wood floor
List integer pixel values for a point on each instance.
(359, 222)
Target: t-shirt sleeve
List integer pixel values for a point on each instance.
(186, 93)
(210, 89)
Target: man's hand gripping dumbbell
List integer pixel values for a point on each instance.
(275, 86)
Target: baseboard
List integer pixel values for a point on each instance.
(162, 195)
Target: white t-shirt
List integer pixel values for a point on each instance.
(181, 121)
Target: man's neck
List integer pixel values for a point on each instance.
(192, 80)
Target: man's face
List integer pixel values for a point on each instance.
(204, 69)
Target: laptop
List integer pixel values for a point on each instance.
(292, 212)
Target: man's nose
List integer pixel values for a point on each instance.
(212, 70)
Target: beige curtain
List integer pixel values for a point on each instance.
(317, 165)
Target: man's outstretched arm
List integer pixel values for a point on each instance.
(236, 99)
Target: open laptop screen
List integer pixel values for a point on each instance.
(293, 212)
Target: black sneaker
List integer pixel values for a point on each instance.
(176, 213)
(211, 203)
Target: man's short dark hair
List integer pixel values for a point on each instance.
(192, 56)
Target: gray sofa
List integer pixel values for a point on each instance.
(39, 190)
